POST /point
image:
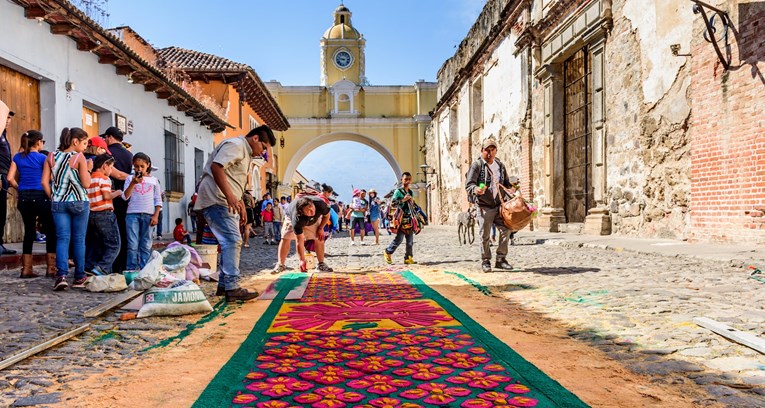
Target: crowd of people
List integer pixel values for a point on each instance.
(96, 204)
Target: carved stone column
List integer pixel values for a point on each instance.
(552, 213)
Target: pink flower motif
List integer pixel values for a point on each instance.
(329, 397)
(244, 399)
(295, 337)
(386, 402)
(517, 388)
(374, 364)
(478, 379)
(498, 399)
(333, 333)
(333, 342)
(434, 393)
(406, 339)
(423, 372)
(477, 350)
(279, 387)
(414, 353)
(461, 360)
(369, 334)
(290, 351)
(331, 356)
(275, 404)
(285, 366)
(379, 384)
(448, 344)
(437, 332)
(493, 367)
(329, 375)
(370, 347)
(255, 375)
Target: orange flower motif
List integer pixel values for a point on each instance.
(434, 393)
(423, 372)
(329, 397)
(414, 353)
(478, 379)
(374, 364)
(379, 384)
(461, 360)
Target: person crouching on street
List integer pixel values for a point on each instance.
(304, 220)
(482, 188)
(402, 198)
(219, 200)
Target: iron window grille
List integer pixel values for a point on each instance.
(174, 155)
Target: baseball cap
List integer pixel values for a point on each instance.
(488, 142)
(98, 141)
(114, 132)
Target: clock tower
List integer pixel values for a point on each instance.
(342, 51)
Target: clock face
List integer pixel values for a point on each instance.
(343, 59)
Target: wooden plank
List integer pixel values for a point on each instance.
(744, 338)
(112, 303)
(42, 347)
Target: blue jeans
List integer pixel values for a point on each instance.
(103, 241)
(277, 231)
(71, 219)
(409, 235)
(225, 226)
(138, 240)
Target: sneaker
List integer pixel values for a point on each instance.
(362, 243)
(97, 271)
(387, 257)
(486, 266)
(60, 284)
(265, 242)
(80, 283)
(353, 243)
(409, 261)
(322, 267)
(279, 268)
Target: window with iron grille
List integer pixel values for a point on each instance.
(174, 155)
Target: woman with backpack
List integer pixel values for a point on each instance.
(406, 225)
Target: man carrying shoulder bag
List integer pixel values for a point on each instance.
(483, 190)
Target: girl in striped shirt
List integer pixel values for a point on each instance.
(103, 237)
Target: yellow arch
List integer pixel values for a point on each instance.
(316, 142)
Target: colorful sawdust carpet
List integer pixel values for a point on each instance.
(376, 340)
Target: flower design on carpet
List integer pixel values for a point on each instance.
(326, 316)
(275, 404)
(374, 364)
(461, 360)
(330, 375)
(369, 334)
(387, 402)
(379, 384)
(478, 379)
(406, 339)
(414, 353)
(331, 342)
(437, 332)
(255, 375)
(434, 393)
(339, 287)
(498, 399)
(290, 351)
(370, 347)
(285, 366)
(295, 337)
(423, 372)
(331, 356)
(279, 387)
(244, 398)
(329, 397)
(448, 344)
(517, 388)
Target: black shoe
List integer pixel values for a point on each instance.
(220, 291)
(240, 294)
(502, 264)
(486, 266)
(6, 251)
(60, 284)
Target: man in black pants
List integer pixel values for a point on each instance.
(5, 164)
(123, 161)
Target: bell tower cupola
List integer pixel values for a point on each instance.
(342, 51)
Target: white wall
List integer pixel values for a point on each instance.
(54, 60)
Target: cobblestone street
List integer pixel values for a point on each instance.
(635, 307)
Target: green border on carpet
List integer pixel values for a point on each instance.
(530, 375)
(240, 363)
(237, 367)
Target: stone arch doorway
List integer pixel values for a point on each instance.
(312, 144)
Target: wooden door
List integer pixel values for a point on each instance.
(579, 191)
(22, 95)
(90, 121)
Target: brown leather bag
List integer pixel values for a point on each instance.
(514, 212)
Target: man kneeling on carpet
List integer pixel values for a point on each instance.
(304, 220)
(220, 201)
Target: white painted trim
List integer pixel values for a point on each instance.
(312, 145)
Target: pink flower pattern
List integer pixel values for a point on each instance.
(329, 397)
(435, 393)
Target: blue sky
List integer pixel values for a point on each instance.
(407, 40)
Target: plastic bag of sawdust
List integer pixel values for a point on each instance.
(175, 259)
(106, 283)
(181, 298)
(149, 274)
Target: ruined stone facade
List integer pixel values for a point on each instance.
(617, 115)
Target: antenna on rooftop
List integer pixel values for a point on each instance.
(98, 10)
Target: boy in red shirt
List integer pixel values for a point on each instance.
(102, 244)
(268, 224)
(180, 234)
